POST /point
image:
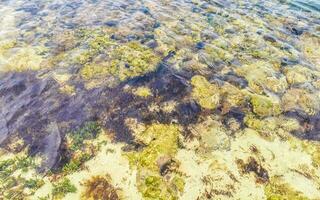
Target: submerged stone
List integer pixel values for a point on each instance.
(265, 106)
(205, 93)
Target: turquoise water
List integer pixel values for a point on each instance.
(142, 99)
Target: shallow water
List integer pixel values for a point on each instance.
(199, 99)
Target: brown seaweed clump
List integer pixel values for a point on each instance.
(99, 187)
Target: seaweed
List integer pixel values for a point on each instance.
(62, 188)
(99, 187)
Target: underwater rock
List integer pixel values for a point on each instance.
(265, 106)
(205, 93)
(300, 100)
(269, 38)
(3, 128)
(300, 74)
(126, 61)
(310, 48)
(161, 141)
(262, 76)
(212, 135)
(50, 148)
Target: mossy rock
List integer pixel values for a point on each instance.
(262, 75)
(142, 92)
(25, 59)
(301, 100)
(276, 189)
(300, 74)
(265, 106)
(124, 61)
(161, 140)
(205, 93)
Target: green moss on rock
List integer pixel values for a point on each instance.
(261, 75)
(276, 189)
(206, 94)
(124, 61)
(161, 140)
(265, 106)
(301, 100)
(62, 188)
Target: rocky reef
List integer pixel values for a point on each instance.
(192, 100)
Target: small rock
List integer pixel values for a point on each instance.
(269, 38)
(112, 23)
(200, 45)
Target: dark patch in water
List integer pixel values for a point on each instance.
(188, 113)
(310, 125)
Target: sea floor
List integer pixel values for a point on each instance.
(160, 100)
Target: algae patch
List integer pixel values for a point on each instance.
(162, 144)
(206, 94)
(123, 61)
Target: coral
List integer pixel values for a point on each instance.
(301, 100)
(61, 188)
(276, 189)
(265, 106)
(206, 94)
(99, 187)
(261, 76)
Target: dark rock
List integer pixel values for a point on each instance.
(112, 23)
(200, 45)
(269, 38)
(286, 62)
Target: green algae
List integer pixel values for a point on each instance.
(12, 180)
(79, 148)
(161, 140)
(278, 190)
(34, 183)
(142, 92)
(23, 60)
(62, 188)
(265, 106)
(125, 61)
(206, 94)
(88, 131)
(7, 45)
